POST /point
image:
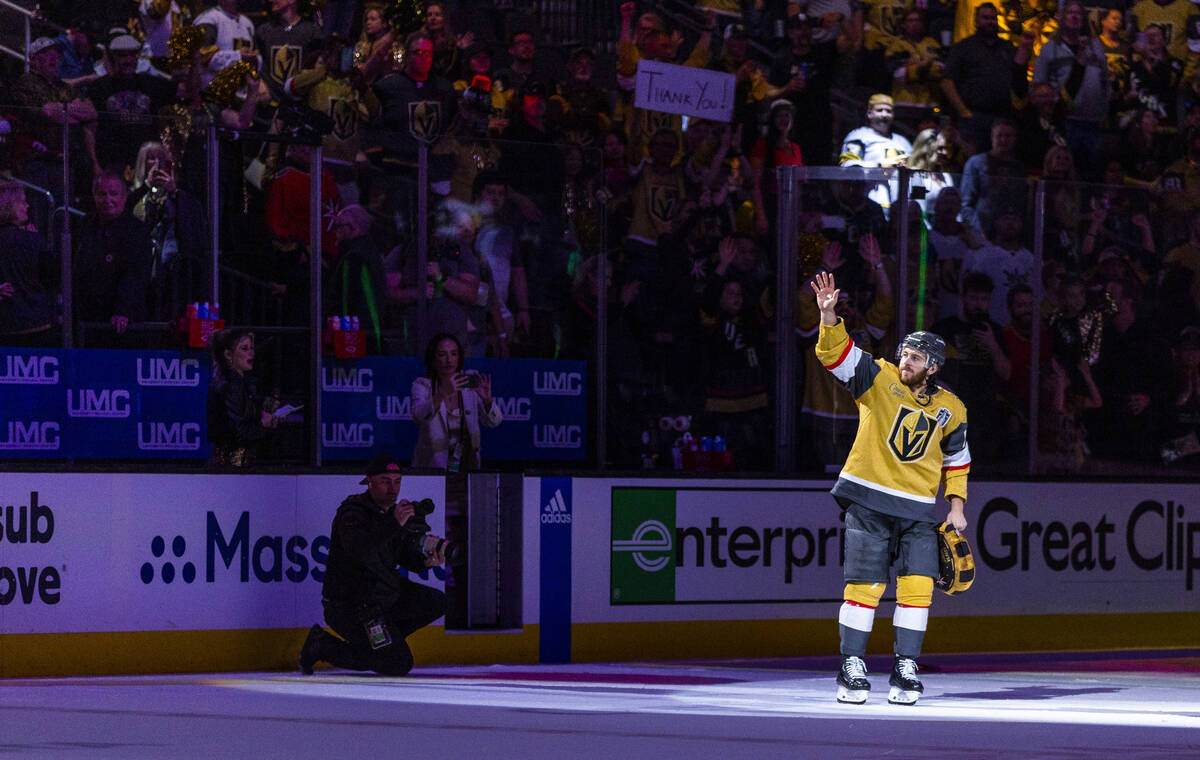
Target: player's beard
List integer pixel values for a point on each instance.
(916, 381)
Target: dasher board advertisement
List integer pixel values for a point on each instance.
(720, 551)
(97, 552)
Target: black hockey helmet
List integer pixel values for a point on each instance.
(927, 343)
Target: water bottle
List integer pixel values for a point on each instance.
(718, 443)
(214, 311)
(677, 455)
(335, 324)
(203, 313)
(706, 444)
(193, 310)
(354, 323)
(345, 322)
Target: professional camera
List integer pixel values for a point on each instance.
(429, 544)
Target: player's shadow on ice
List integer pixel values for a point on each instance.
(1032, 692)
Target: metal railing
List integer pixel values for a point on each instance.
(29, 18)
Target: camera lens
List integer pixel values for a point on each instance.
(423, 507)
(454, 553)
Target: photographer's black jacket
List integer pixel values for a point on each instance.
(366, 545)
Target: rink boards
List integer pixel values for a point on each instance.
(125, 573)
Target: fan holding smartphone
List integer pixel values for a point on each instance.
(449, 407)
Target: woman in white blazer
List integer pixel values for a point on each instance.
(445, 403)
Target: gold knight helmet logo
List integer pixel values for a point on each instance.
(345, 117)
(663, 202)
(911, 433)
(285, 62)
(425, 120)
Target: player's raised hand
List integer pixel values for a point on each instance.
(827, 296)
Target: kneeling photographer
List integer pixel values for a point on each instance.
(368, 601)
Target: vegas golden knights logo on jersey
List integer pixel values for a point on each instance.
(656, 120)
(912, 430)
(663, 200)
(285, 62)
(425, 119)
(345, 117)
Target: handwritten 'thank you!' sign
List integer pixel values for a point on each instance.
(684, 90)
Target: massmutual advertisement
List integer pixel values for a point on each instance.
(97, 552)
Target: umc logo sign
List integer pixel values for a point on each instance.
(547, 383)
(393, 408)
(557, 436)
(169, 436)
(106, 402)
(31, 436)
(515, 409)
(338, 435)
(156, 372)
(347, 380)
(30, 370)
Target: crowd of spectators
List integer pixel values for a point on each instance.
(540, 163)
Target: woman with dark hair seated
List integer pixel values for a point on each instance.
(239, 418)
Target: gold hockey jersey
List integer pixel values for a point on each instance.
(907, 446)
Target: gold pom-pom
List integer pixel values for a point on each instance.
(404, 16)
(184, 43)
(176, 120)
(223, 89)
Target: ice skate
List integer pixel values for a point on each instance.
(853, 685)
(906, 687)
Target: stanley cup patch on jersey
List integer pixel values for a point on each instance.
(912, 430)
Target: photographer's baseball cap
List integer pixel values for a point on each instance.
(379, 464)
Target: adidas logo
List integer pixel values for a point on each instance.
(556, 510)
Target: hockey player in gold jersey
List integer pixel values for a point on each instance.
(912, 440)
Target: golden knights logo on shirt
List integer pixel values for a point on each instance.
(345, 117)
(663, 200)
(285, 62)
(656, 120)
(912, 430)
(425, 119)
